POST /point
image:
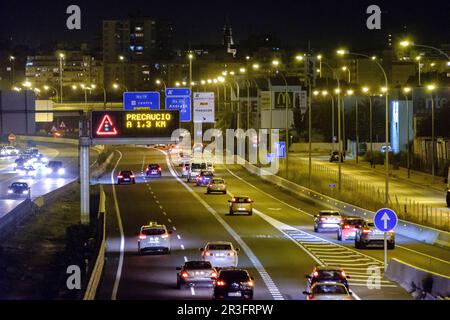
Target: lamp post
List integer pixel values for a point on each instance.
(319, 57)
(324, 94)
(12, 60)
(406, 91)
(431, 88)
(407, 43)
(61, 58)
(122, 60)
(366, 91)
(345, 68)
(386, 92)
(47, 87)
(419, 67)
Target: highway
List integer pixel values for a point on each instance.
(278, 245)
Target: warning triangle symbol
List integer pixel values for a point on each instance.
(53, 129)
(62, 125)
(106, 127)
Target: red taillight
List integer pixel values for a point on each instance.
(315, 274)
(233, 200)
(231, 254)
(185, 274)
(366, 231)
(142, 237)
(213, 274)
(120, 177)
(208, 254)
(159, 169)
(165, 236)
(249, 283)
(220, 283)
(346, 226)
(323, 219)
(343, 274)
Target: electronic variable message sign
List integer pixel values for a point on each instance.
(134, 124)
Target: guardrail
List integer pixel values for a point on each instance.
(97, 270)
(404, 228)
(423, 284)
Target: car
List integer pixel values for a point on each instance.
(27, 170)
(20, 162)
(40, 160)
(9, 151)
(126, 176)
(19, 189)
(194, 170)
(328, 290)
(153, 170)
(369, 236)
(154, 237)
(196, 273)
(216, 185)
(383, 149)
(55, 168)
(204, 178)
(183, 160)
(348, 227)
(221, 254)
(241, 204)
(327, 273)
(233, 284)
(334, 157)
(185, 170)
(328, 220)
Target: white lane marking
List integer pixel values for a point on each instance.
(157, 201)
(304, 212)
(273, 289)
(160, 207)
(182, 247)
(179, 237)
(174, 229)
(122, 237)
(185, 259)
(165, 213)
(170, 221)
(193, 291)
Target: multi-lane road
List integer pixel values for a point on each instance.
(278, 245)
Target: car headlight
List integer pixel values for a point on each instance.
(44, 159)
(21, 173)
(25, 192)
(48, 170)
(10, 191)
(61, 171)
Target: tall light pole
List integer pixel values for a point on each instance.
(122, 60)
(319, 57)
(406, 91)
(61, 58)
(47, 87)
(431, 88)
(345, 68)
(419, 67)
(366, 92)
(407, 43)
(386, 93)
(324, 94)
(12, 60)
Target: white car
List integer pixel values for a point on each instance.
(27, 171)
(221, 254)
(194, 170)
(154, 237)
(9, 151)
(328, 290)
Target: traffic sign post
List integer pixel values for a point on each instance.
(179, 99)
(385, 220)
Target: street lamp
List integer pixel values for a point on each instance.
(61, 58)
(47, 87)
(12, 60)
(344, 68)
(366, 91)
(375, 60)
(419, 66)
(159, 82)
(407, 43)
(406, 91)
(255, 66)
(431, 88)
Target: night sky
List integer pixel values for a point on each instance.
(323, 23)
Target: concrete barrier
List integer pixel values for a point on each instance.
(404, 228)
(418, 281)
(47, 139)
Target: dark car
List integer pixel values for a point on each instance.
(334, 157)
(233, 284)
(19, 189)
(326, 273)
(204, 178)
(195, 273)
(126, 177)
(153, 170)
(347, 229)
(55, 167)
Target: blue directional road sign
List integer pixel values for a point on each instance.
(178, 92)
(180, 103)
(137, 100)
(280, 149)
(385, 219)
(179, 99)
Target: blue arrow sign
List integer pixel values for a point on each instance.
(280, 149)
(180, 103)
(178, 92)
(385, 219)
(136, 100)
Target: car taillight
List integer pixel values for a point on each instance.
(346, 226)
(208, 254)
(159, 169)
(120, 177)
(132, 176)
(315, 274)
(249, 283)
(231, 254)
(213, 274)
(249, 200)
(233, 200)
(220, 283)
(165, 236)
(366, 231)
(343, 274)
(185, 274)
(323, 219)
(142, 237)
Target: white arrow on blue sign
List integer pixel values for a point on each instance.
(385, 219)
